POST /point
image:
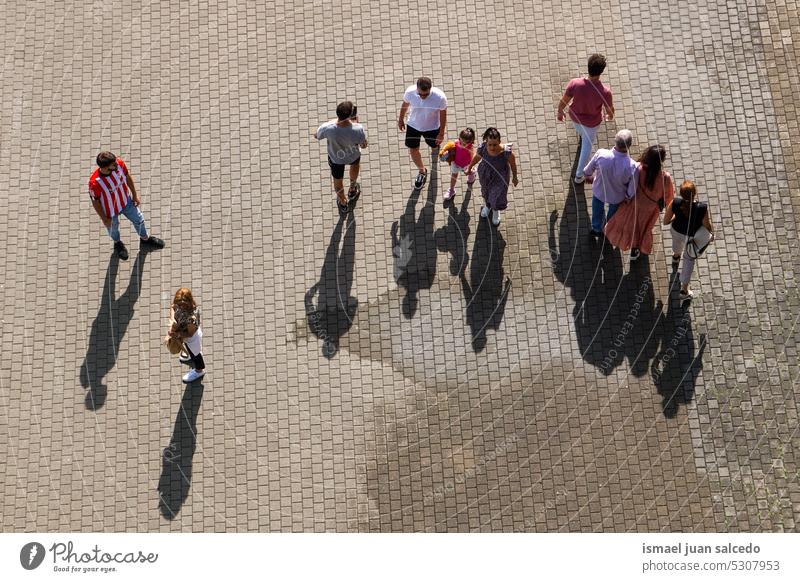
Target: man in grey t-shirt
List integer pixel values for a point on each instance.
(346, 137)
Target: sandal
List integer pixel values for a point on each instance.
(343, 208)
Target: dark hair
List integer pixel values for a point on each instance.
(491, 133)
(688, 192)
(105, 159)
(467, 134)
(597, 64)
(344, 110)
(424, 83)
(651, 160)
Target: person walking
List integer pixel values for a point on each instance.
(587, 97)
(426, 107)
(613, 182)
(631, 228)
(185, 329)
(496, 163)
(459, 153)
(685, 216)
(113, 192)
(346, 138)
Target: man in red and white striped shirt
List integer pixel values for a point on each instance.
(113, 192)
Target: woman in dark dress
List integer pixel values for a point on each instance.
(498, 162)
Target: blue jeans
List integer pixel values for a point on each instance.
(132, 213)
(599, 217)
(588, 135)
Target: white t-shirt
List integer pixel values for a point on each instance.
(424, 113)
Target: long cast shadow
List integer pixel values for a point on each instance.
(333, 314)
(452, 237)
(485, 293)
(176, 460)
(414, 247)
(678, 363)
(108, 329)
(615, 316)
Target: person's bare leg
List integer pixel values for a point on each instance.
(338, 186)
(453, 180)
(354, 170)
(416, 157)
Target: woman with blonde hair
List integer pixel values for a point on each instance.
(686, 216)
(185, 332)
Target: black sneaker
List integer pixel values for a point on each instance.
(420, 180)
(122, 252)
(354, 192)
(153, 241)
(635, 254)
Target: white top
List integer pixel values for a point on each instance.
(424, 113)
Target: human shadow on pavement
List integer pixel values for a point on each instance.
(108, 329)
(414, 246)
(678, 363)
(177, 457)
(333, 314)
(452, 237)
(485, 292)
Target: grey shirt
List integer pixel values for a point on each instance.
(343, 142)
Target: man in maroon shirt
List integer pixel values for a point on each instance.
(588, 97)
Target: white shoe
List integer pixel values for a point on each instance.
(485, 212)
(496, 217)
(184, 358)
(193, 375)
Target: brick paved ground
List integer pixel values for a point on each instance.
(438, 375)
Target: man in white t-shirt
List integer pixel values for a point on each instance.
(426, 107)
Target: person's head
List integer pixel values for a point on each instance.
(344, 110)
(184, 299)
(652, 159)
(107, 162)
(597, 64)
(688, 191)
(424, 86)
(623, 140)
(492, 138)
(467, 136)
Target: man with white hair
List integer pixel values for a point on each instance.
(611, 174)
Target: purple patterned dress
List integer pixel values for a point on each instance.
(494, 173)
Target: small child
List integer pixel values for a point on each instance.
(458, 153)
(499, 164)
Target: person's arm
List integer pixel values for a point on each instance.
(363, 145)
(401, 119)
(475, 161)
(634, 180)
(590, 167)
(98, 208)
(565, 99)
(132, 186)
(707, 224)
(608, 105)
(442, 125)
(512, 161)
(668, 215)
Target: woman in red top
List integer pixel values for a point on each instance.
(631, 227)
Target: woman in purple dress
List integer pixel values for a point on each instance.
(498, 162)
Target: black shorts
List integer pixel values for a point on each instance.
(413, 137)
(337, 170)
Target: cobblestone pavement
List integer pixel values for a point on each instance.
(410, 368)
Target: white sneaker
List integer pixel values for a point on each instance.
(184, 358)
(193, 375)
(485, 212)
(450, 193)
(496, 217)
